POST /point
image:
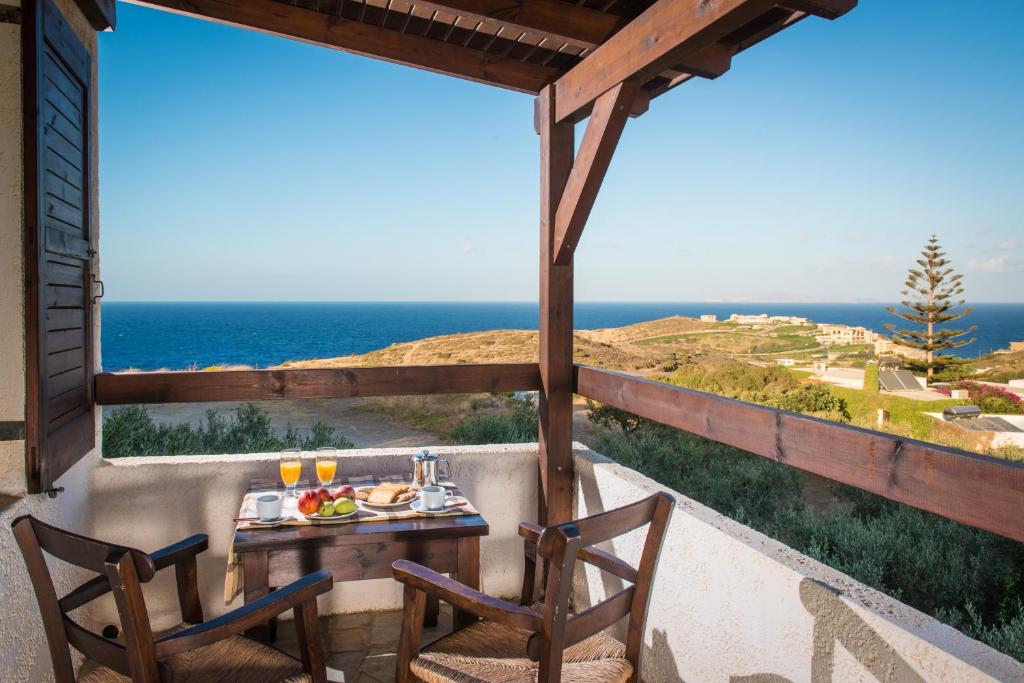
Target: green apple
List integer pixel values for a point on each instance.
(326, 509)
(344, 506)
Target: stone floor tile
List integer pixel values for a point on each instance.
(385, 627)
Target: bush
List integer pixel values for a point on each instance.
(811, 399)
(871, 384)
(515, 422)
(611, 417)
(130, 431)
(945, 368)
(989, 398)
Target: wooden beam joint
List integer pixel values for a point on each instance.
(607, 122)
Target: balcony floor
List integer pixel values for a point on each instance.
(361, 647)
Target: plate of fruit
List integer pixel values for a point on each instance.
(322, 505)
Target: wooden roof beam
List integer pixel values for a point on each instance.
(661, 38)
(289, 21)
(102, 14)
(555, 20)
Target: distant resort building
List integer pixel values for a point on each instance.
(765, 319)
(844, 335)
(887, 347)
(709, 318)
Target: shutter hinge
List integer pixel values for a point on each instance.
(103, 289)
(10, 14)
(52, 493)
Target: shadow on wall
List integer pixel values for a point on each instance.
(835, 622)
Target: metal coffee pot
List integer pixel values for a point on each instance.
(428, 469)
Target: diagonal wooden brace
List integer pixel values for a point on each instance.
(595, 154)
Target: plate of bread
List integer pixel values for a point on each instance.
(386, 495)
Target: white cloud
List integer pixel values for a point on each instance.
(469, 248)
(999, 263)
(1008, 244)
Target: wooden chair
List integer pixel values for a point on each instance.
(542, 641)
(212, 650)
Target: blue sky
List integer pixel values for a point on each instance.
(238, 166)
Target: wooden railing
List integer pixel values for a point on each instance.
(258, 385)
(983, 492)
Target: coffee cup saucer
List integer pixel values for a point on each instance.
(269, 522)
(417, 506)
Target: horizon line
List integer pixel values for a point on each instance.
(879, 302)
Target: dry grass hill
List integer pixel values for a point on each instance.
(643, 346)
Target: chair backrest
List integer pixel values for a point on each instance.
(562, 545)
(119, 569)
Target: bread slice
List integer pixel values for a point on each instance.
(383, 495)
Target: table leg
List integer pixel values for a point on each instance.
(255, 568)
(468, 574)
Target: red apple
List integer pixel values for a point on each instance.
(344, 491)
(309, 502)
(324, 494)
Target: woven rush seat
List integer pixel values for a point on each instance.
(234, 659)
(489, 651)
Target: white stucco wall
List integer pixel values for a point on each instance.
(23, 652)
(151, 502)
(730, 605)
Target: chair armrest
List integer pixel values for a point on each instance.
(530, 531)
(244, 618)
(182, 550)
(464, 597)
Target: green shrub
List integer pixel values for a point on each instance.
(611, 417)
(130, 431)
(811, 399)
(517, 427)
(871, 384)
(946, 369)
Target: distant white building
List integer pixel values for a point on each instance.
(790, 319)
(748, 319)
(844, 335)
(765, 319)
(709, 318)
(785, 362)
(887, 347)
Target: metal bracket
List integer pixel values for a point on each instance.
(10, 14)
(52, 493)
(103, 289)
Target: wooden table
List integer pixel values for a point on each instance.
(272, 558)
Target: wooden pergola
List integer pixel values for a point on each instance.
(606, 60)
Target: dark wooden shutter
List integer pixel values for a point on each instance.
(59, 417)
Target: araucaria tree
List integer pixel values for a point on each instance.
(931, 298)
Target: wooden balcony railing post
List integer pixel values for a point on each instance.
(556, 301)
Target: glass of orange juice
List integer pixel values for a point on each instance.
(291, 469)
(326, 465)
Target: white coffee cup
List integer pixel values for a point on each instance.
(268, 507)
(434, 497)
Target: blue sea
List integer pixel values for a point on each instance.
(149, 336)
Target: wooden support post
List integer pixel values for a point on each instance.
(556, 371)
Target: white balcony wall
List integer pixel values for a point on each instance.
(151, 502)
(731, 605)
